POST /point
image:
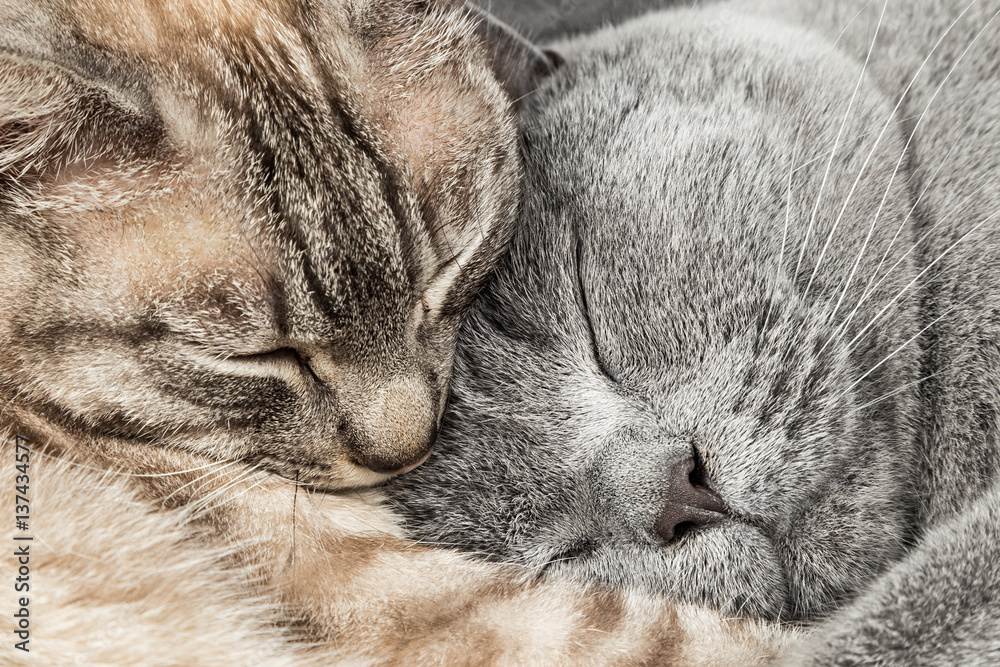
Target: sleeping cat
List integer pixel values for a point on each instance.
(236, 239)
(305, 197)
(746, 347)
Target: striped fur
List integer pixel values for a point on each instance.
(268, 217)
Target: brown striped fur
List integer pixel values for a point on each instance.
(294, 201)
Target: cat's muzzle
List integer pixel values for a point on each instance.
(689, 502)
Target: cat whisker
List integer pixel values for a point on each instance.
(913, 247)
(222, 467)
(847, 27)
(788, 205)
(894, 392)
(904, 345)
(749, 598)
(895, 171)
(202, 504)
(171, 473)
(902, 225)
(869, 289)
(784, 234)
(914, 130)
(826, 175)
(930, 265)
(122, 473)
(816, 157)
(840, 134)
(232, 499)
(455, 545)
(836, 223)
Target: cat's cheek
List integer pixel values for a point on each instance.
(690, 569)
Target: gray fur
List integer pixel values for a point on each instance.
(855, 453)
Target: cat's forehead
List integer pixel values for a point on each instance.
(693, 195)
(140, 27)
(702, 130)
(343, 152)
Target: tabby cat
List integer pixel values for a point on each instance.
(746, 347)
(236, 240)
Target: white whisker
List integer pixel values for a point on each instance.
(901, 347)
(203, 503)
(122, 473)
(840, 133)
(850, 194)
(847, 27)
(919, 120)
(222, 467)
(899, 162)
(843, 326)
(784, 234)
(237, 496)
(902, 225)
(894, 392)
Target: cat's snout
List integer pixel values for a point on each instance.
(395, 430)
(688, 502)
(398, 463)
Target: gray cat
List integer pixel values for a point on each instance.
(746, 347)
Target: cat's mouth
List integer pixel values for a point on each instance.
(339, 476)
(689, 507)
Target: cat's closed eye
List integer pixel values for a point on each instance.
(319, 235)
(585, 307)
(281, 358)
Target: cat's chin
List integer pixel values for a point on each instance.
(732, 567)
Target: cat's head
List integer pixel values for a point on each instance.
(249, 229)
(692, 372)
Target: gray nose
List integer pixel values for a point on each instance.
(688, 504)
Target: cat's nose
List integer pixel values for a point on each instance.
(399, 462)
(394, 430)
(688, 503)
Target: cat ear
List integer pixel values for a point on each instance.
(58, 116)
(518, 64)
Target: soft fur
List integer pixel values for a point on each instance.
(142, 556)
(247, 230)
(236, 240)
(760, 236)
